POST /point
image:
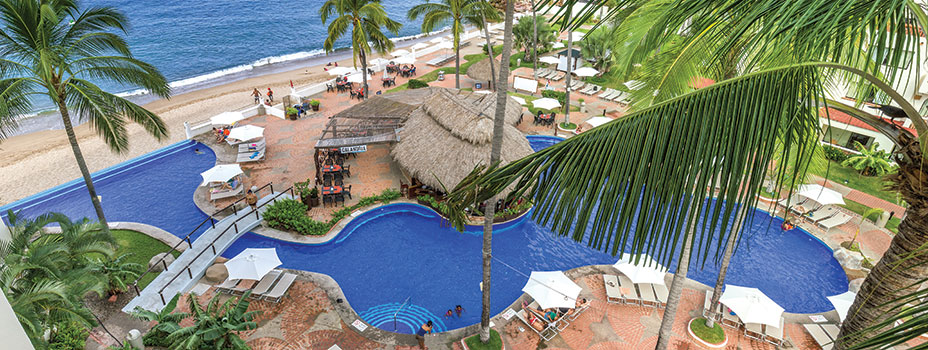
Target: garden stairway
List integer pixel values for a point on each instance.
(187, 269)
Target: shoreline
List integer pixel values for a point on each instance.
(39, 160)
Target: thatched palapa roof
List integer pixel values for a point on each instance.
(451, 133)
(480, 71)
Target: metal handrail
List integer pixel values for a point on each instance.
(212, 222)
(213, 243)
(398, 311)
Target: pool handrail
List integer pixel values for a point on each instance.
(211, 219)
(398, 311)
(212, 244)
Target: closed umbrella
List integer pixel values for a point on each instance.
(226, 118)
(252, 263)
(549, 60)
(220, 173)
(842, 303)
(552, 289)
(546, 103)
(751, 305)
(585, 72)
(246, 133)
(399, 53)
(341, 70)
(645, 271)
(821, 194)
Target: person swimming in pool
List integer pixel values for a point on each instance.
(449, 313)
(197, 151)
(458, 309)
(787, 225)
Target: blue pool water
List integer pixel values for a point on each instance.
(400, 251)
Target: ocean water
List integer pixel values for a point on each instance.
(197, 44)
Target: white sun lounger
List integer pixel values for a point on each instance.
(613, 292)
(252, 146)
(266, 282)
(820, 336)
(754, 330)
(629, 293)
(280, 288)
(662, 294)
(241, 290)
(647, 295)
(219, 193)
(547, 333)
(774, 335)
(252, 156)
(730, 320)
(817, 214)
(227, 285)
(577, 85)
(838, 219)
(583, 307)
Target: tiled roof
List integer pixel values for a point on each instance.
(841, 117)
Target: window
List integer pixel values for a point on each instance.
(855, 137)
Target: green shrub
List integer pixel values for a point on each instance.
(834, 153)
(314, 103)
(154, 338)
(713, 336)
(417, 84)
(289, 214)
(70, 336)
(292, 111)
(560, 96)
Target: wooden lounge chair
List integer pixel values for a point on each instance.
(754, 330)
(774, 335)
(661, 292)
(265, 284)
(647, 295)
(546, 333)
(253, 156)
(820, 336)
(227, 285)
(280, 288)
(629, 293)
(613, 291)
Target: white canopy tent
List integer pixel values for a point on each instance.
(597, 121)
(645, 271)
(842, 303)
(552, 289)
(446, 45)
(246, 133)
(226, 118)
(820, 194)
(751, 305)
(253, 263)
(221, 173)
(549, 60)
(523, 84)
(546, 103)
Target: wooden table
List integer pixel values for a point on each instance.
(331, 190)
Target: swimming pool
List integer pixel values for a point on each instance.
(400, 251)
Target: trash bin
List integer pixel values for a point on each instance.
(135, 339)
(478, 86)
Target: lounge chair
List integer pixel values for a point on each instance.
(838, 219)
(629, 293)
(238, 290)
(661, 292)
(607, 94)
(579, 310)
(548, 332)
(280, 288)
(265, 284)
(558, 76)
(622, 98)
(577, 85)
(831, 330)
(774, 335)
(220, 193)
(647, 295)
(613, 291)
(730, 320)
(822, 338)
(818, 213)
(252, 146)
(250, 156)
(754, 331)
(227, 285)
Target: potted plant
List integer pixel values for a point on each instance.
(292, 113)
(314, 104)
(309, 195)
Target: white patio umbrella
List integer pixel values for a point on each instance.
(445, 45)
(558, 45)
(379, 61)
(552, 289)
(398, 53)
(821, 194)
(420, 46)
(252, 263)
(408, 59)
(549, 60)
(437, 40)
(246, 132)
(518, 99)
(585, 72)
(645, 271)
(597, 121)
(341, 70)
(751, 305)
(226, 118)
(356, 78)
(842, 303)
(546, 103)
(220, 173)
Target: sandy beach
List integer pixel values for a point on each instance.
(37, 161)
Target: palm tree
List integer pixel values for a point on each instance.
(459, 13)
(870, 161)
(597, 45)
(499, 121)
(216, 325)
(660, 159)
(366, 17)
(53, 48)
(524, 36)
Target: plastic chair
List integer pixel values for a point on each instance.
(347, 191)
(347, 170)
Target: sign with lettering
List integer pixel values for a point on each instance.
(353, 149)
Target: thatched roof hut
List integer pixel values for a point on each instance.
(480, 71)
(443, 140)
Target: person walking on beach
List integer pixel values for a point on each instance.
(420, 334)
(270, 95)
(257, 96)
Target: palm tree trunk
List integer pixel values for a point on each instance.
(570, 42)
(502, 97)
(486, 33)
(79, 157)
(534, 42)
(905, 263)
(723, 270)
(457, 60)
(676, 291)
(363, 57)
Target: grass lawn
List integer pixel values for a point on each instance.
(713, 336)
(495, 342)
(849, 177)
(142, 247)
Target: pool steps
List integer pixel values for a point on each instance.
(150, 299)
(409, 319)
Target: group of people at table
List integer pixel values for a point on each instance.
(404, 70)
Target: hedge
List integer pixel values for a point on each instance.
(290, 214)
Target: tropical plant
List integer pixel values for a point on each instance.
(68, 336)
(366, 18)
(417, 84)
(870, 162)
(118, 272)
(597, 46)
(166, 322)
(216, 324)
(458, 13)
(524, 35)
(54, 49)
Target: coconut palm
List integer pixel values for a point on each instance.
(458, 13)
(524, 36)
(870, 162)
(216, 324)
(366, 18)
(660, 160)
(54, 49)
(597, 46)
